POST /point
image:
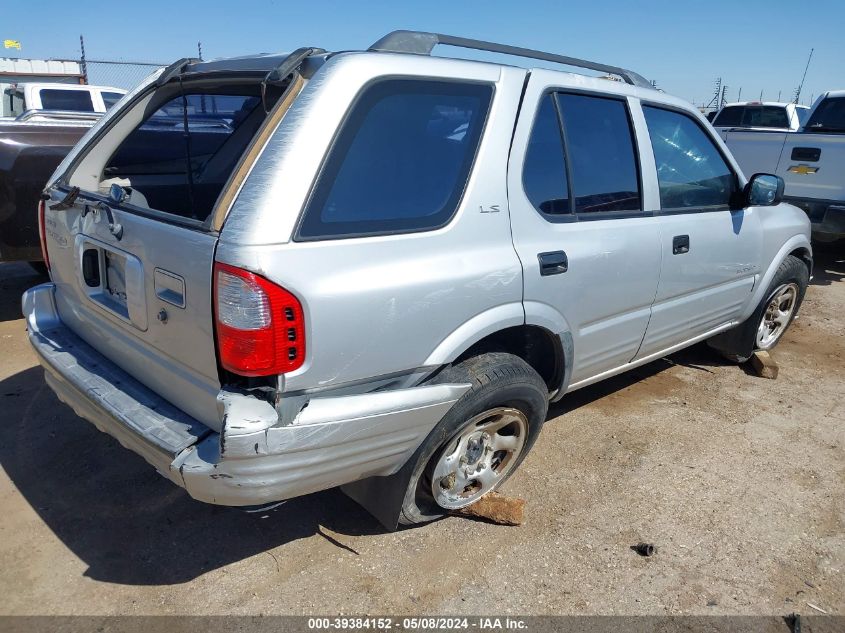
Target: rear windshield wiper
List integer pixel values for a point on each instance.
(67, 201)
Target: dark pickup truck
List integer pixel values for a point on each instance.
(29, 152)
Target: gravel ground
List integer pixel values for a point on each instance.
(738, 481)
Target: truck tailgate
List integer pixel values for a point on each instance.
(813, 166)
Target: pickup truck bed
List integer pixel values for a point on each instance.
(29, 152)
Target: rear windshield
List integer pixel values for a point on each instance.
(74, 100)
(401, 160)
(110, 98)
(178, 160)
(829, 116)
(752, 116)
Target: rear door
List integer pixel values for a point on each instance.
(588, 249)
(710, 253)
(134, 277)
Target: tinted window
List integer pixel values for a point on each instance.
(155, 156)
(110, 98)
(601, 154)
(829, 116)
(544, 171)
(400, 161)
(765, 116)
(730, 116)
(803, 115)
(690, 170)
(75, 100)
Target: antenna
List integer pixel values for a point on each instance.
(801, 85)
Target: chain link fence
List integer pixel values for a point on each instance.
(115, 74)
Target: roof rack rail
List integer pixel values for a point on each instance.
(422, 43)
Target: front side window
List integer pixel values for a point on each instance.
(544, 170)
(73, 100)
(600, 150)
(400, 161)
(690, 169)
(829, 116)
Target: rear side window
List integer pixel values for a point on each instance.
(730, 116)
(803, 115)
(74, 100)
(601, 154)
(110, 98)
(544, 170)
(690, 169)
(401, 160)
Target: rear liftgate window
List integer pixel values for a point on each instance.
(182, 174)
(73, 100)
(401, 160)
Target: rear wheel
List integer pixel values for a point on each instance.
(481, 440)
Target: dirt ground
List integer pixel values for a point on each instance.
(738, 481)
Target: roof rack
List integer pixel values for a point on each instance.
(422, 43)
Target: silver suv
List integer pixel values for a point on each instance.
(277, 274)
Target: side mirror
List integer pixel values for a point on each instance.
(764, 190)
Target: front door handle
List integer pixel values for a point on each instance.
(680, 244)
(553, 263)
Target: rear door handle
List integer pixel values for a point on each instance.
(680, 244)
(553, 263)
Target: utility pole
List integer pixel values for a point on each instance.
(801, 85)
(761, 94)
(82, 65)
(739, 95)
(718, 95)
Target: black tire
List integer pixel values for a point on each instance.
(744, 339)
(498, 380)
(39, 267)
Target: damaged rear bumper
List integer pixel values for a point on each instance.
(255, 459)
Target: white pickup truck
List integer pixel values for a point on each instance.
(811, 161)
(771, 116)
(29, 100)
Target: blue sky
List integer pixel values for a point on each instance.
(754, 45)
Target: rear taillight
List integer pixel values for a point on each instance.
(42, 232)
(260, 326)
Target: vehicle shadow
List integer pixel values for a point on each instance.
(132, 526)
(14, 279)
(699, 357)
(828, 263)
(126, 522)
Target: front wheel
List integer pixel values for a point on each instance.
(483, 438)
(765, 327)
